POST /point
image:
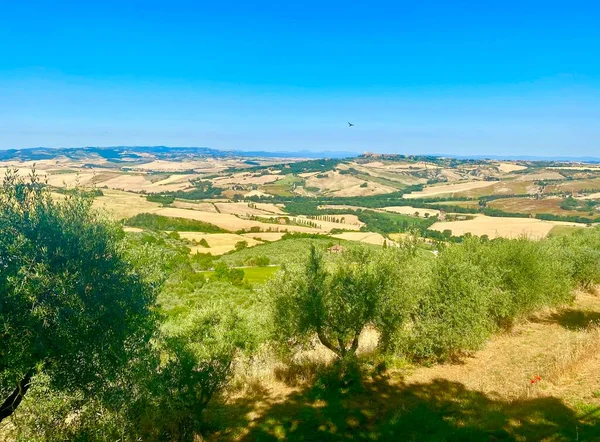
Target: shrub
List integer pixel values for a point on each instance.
(241, 245)
(224, 273)
(581, 255)
(452, 314)
(258, 261)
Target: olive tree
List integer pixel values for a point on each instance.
(337, 300)
(72, 306)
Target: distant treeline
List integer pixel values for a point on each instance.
(152, 221)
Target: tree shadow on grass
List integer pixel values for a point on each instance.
(436, 411)
(575, 319)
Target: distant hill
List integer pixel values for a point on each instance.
(127, 153)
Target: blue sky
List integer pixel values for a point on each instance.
(449, 77)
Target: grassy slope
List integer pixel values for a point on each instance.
(486, 397)
(254, 275)
(281, 252)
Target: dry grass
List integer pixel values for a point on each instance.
(448, 189)
(586, 167)
(592, 196)
(269, 207)
(230, 222)
(201, 206)
(575, 185)
(510, 167)
(219, 243)
(265, 236)
(407, 210)
(124, 204)
(245, 179)
(271, 399)
(495, 227)
(241, 209)
(327, 226)
(530, 205)
(543, 175)
(346, 185)
(169, 166)
(366, 237)
(137, 183)
(502, 188)
(556, 345)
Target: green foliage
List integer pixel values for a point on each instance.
(203, 261)
(392, 222)
(85, 193)
(290, 250)
(202, 189)
(241, 245)
(335, 301)
(165, 200)
(74, 307)
(152, 221)
(223, 273)
(481, 286)
(451, 315)
(258, 261)
(581, 250)
(197, 353)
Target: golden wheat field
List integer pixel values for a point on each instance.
(448, 189)
(219, 243)
(495, 227)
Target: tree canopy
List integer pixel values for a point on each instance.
(72, 305)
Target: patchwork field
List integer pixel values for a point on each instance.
(124, 204)
(535, 206)
(219, 243)
(340, 185)
(592, 185)
(230, 222)
(239, 194)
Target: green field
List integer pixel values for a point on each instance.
(279, 252)
(254, 275)
(563, 230)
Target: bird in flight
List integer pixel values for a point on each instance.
(350, 124)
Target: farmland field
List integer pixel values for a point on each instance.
(449, 189)
(233, 243)
(254, 275)
(495, 227)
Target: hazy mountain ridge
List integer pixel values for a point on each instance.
(127, 153)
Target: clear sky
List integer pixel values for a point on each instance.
(453, 77)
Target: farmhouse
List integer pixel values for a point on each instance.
(335, 249)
